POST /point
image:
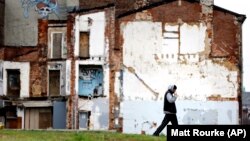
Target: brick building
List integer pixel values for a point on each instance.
(104, 65)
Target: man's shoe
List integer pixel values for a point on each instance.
(155, 134)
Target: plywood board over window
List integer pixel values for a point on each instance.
(84, 45)
(13, 83)
(54, 82)
(57, 46)
(38, 118)
(57, 42)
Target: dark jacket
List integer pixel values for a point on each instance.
(169, 107)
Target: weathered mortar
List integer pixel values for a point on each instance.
(225, 42)
(42, 50)
(70, 47)
(113, 62)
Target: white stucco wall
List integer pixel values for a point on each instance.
(99, 118)
(99, 48)
(158, 62)
(96, 31)
(68, 76)
(24, 68)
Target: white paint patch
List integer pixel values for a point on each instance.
(68, 75)
(142, 115)
(99, 119)
(24, 68)
(95, 25)
(192, 38)
(118, 85)
(156, 66)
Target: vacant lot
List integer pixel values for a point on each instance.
(28, 135)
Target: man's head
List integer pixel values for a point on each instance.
(172, 88)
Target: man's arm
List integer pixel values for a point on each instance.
(170, 98)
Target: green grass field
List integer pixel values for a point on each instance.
(28, 135)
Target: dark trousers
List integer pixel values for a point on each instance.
(168, 117)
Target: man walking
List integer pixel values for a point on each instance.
(169, 109)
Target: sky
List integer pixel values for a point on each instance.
(240, 6)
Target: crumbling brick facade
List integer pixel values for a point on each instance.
(135, 47)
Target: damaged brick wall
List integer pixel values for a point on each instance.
(37, 56)
(227, 44)
(192, 14)
(114, 62)
(89, 4)
(75, 102)
(182, 20)
(70, 48)
(41, 72)
(131, 5)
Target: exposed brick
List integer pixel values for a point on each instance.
(225, 43)
(70, 48)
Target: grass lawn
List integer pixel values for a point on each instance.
(28, 135)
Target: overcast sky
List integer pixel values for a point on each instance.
(240, 6)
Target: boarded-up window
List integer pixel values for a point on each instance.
(54, 82)
(57, 39)
(44, 121)
(38, 118)
(13, 83)
(84, 44)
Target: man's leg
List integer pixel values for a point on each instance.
(173, 119)
(162, 126)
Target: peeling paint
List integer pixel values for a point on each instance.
(175, 52)
(96, 30)
(140, 53)
(99, 113)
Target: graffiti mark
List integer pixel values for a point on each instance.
(43, 7)
(90, 81)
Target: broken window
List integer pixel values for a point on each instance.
(13, 83)
(54, 82)
(90, 81)
(84, 45)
